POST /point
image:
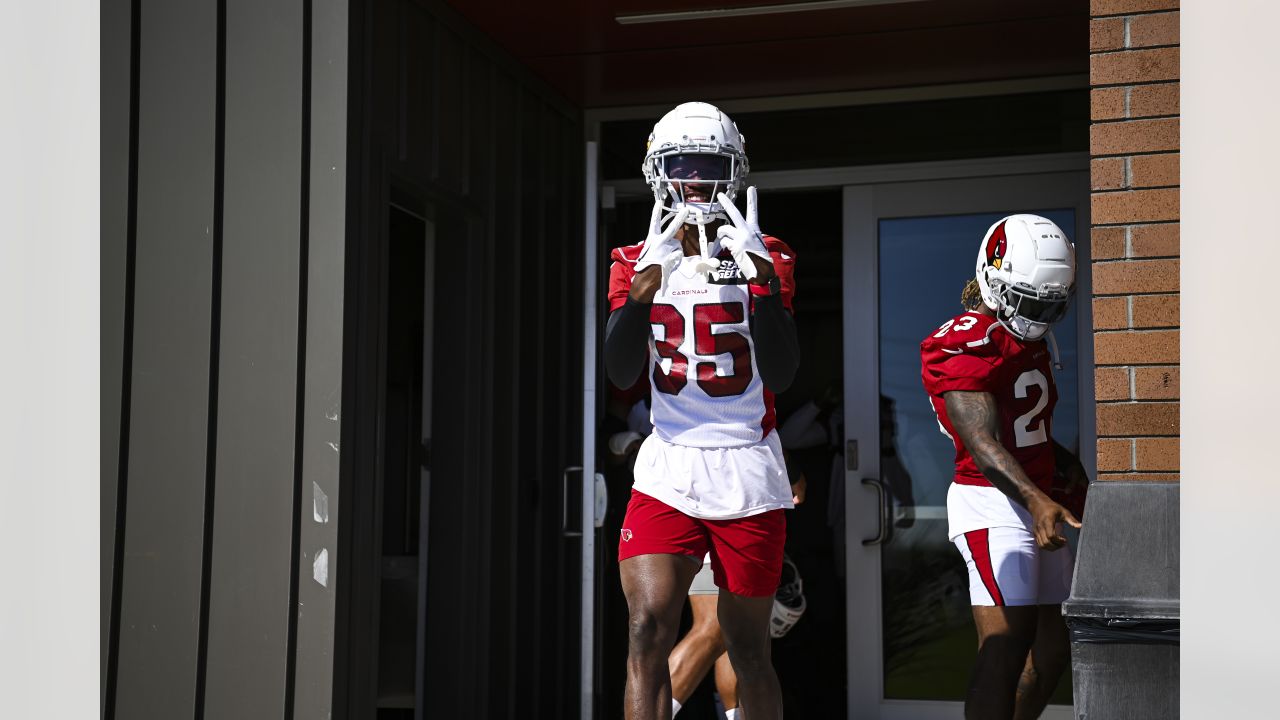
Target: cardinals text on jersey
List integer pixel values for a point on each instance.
(707, 390)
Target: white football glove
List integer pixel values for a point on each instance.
(661, 248)
(743, 238)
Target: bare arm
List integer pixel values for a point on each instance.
(975, 418)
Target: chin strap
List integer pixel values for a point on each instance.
(675, 192)
(1053, 343)
(986, 337)
(707, 263)
(1053, 348)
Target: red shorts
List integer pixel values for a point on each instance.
(746, 553)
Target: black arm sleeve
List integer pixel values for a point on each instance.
(626, 343)
(777, 347)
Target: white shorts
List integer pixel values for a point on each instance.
(1007, 568)
(970, 507)
(714, 483)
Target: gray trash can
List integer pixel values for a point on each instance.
(1123, 609)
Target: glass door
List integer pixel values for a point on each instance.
(909, 249)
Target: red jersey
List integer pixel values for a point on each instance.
(974, 352)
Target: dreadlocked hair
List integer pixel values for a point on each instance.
(971, 296)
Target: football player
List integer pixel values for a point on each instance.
(989, 376)
(703, 308)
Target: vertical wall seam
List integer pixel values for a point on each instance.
(215, 335)
(304, 244)
(437, 35)
(359, 167)
(126, 373)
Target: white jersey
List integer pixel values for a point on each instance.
(713, 453)
(706, 390)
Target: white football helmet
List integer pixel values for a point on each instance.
(698, 145)
(1026, 270)
(788, 601)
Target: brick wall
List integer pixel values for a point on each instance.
(1133, 143)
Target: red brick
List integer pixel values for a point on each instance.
(1148, 30)
(1139, 477)
(1135, 276)
(1134, 66)
(1135, 348)
(1107, 173)
(1157, 454)
(1155, 240)
(1107, 243)
(1121, 7)
(1135, 206)
(1110, 313)
(1148, 100)
(1106, 34)
(1111, 383)
(1156, 311)
(1156, 383)
(1153, 170)
(1106, 103)
(1143, 418)
(1133, 136)
(1115, 454)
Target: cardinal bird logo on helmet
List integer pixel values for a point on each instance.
(996, 247)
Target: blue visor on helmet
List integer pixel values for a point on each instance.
(698, 166)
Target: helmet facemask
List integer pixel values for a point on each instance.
(1026, 312)
(695, 181)
(788, 601)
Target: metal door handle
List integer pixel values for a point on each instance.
(886, 512)
(602, 499)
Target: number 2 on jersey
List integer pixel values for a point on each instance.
(1024, 434)
(706, 344)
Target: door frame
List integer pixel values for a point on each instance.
(591, 241)
(990, 186)
(427, 216)
(865, 188)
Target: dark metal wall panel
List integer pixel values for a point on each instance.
(117, 85)
(160, 600)
(449, 101)
(322, 391)
(250, 575)
(416, 69)
(510, 294)
(213, 256)
(464, 130)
